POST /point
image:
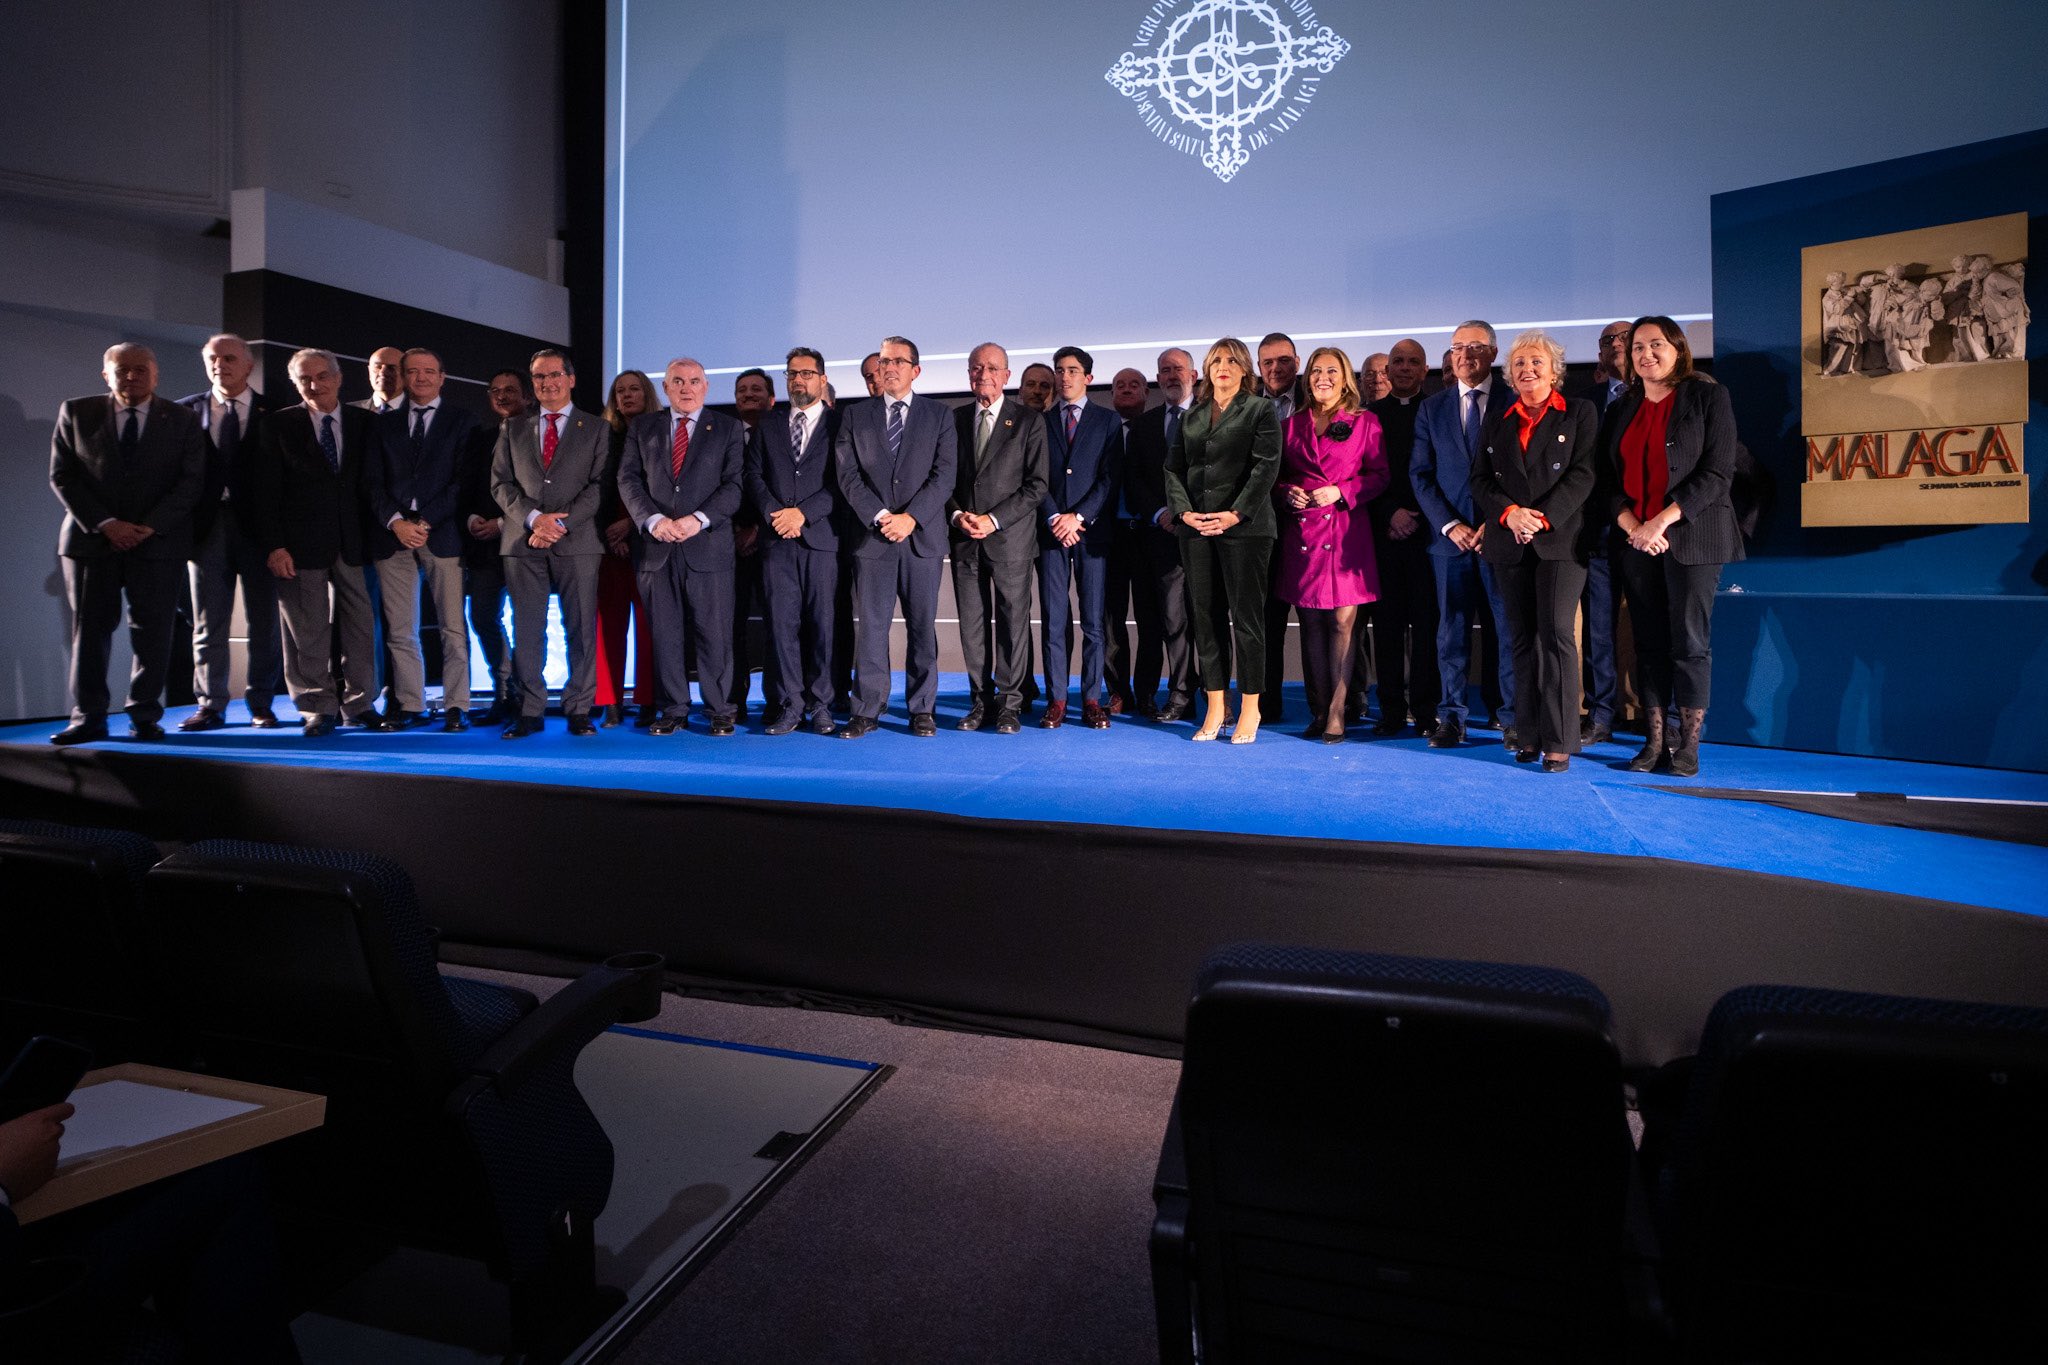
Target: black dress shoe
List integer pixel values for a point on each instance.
(580, 724)
(263, 718)
(856, 727)
(1527, 755)
(721, 725)
(1008, 722)
(1510, 739)
(1447, 735)
(405, 720)
(455, 720)
(148, 731)
(664, 727)
(781, 724)
(1171, 712)
(924, 725)
(648, 715)
(615, 714)
(205, 718)
(83, 732)
(821, 723)
(521, 728)
(1557, 765)
(1387, 725)
(498, 713)
(1590, 733)
(976, 714)
(368, 720)
(319, 724)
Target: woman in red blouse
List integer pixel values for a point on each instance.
(1667, 456)
(1531, 478)
(1331, 465)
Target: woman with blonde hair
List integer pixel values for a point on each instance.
(1220, 466)
(1332, 464)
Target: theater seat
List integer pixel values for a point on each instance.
(453, 1118)
(70, 950)
(1386, 1158)
(1861, 1177)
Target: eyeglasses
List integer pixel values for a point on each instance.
(890, 360)
(1471, 348)
(802, 374)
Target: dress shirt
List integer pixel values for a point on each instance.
(814, 417)
(1484, 388)
(411, 419)
(1283, 404)
(540, 425)
(141, 411)
(1066, 408)
(992, 411)
(676, 415)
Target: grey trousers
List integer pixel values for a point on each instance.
(315, 605)
(399, 577)
(219, 561)
(574, 579)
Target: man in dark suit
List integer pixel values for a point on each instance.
(1600, 603)
(1084, 454)
(386, 371)
(1280, 380)
(223, 555)
(789, 481)
(993, 516)
(547, 474)
(415, 493)
(1128, 395)
(1401, 648)
(753, 398)
(129, 468)
(483, 524)
(895, 460)
(1447, 428)
(306, 505)
(1158, 590)
(679, 476)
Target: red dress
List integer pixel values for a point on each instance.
(1326, 557)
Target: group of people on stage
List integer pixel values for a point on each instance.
(1258, 486)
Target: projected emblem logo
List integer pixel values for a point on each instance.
(1223, 78)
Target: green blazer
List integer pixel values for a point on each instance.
(1228, 466)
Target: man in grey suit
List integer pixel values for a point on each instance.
(548, 475)
(992, 513)
(128, 467)
(894, 460)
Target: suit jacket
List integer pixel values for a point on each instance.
(473, 494)
(918, 480)
(296, 502)
(1082, 477)
(709, 483)
(219, 476)
(574, 483)
(1227, 466)
(1007, 482)
(1144, 467)
(1397, 434)
(1700, 459)
(429, 476)
(1555, 477)
(158, 488)
(776, 479)
(1441, 467)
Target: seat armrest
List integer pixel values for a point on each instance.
(626, 989)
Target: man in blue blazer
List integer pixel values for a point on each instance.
(1447, 428)
(1084, 458)
(895, 458)
(790, 485)
(415, 488)
(679, 476)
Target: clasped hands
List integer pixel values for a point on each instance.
(1066, 529)
(1301, 499)
(787, 522)
(896, 526)
(1525, 524)
(676, 530)
(547, 528)
(1648, 536)
(977, 525)
(411, 534)
(126, 535)
(1211, 523)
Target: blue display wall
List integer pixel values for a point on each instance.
(1903, 642)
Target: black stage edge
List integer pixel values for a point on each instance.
(1071, 932)
(2017, 822)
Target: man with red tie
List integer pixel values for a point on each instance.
(548, 475)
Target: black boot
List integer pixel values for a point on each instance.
(1652, 753)
(1685, 759)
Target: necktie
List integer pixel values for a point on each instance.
(419, 426)
(1073, 420)
(549, 441)
(796, 434)
(230, 434)
(131, 434)
(895, 432)
(1123, 505)
(327, 445)
(981, 430)
(1172, 422)
(1474, 399)
(679, 448)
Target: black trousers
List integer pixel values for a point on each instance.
(1671, 609)
(485, 584)
(1270, 700)
(802, 585)
(1542, 597)
(96, 587)
(994, 601)
(693, 605)
(1401, 646)
(1228, 578)
(749, 607)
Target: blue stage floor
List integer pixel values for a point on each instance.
(1140, 774)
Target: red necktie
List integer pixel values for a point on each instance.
(680, 449)
(548, 442)
(1073, 421)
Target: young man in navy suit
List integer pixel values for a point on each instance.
(1084, 455)
(895, 459)
(1447, 428)
(790, 485)
(415, 486)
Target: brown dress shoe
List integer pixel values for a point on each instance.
(1055, 716)
(1094, 716)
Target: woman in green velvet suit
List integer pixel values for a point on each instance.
(1220, 466)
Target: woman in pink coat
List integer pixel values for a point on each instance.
(1332, 464)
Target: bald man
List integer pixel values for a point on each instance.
(386, 369)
